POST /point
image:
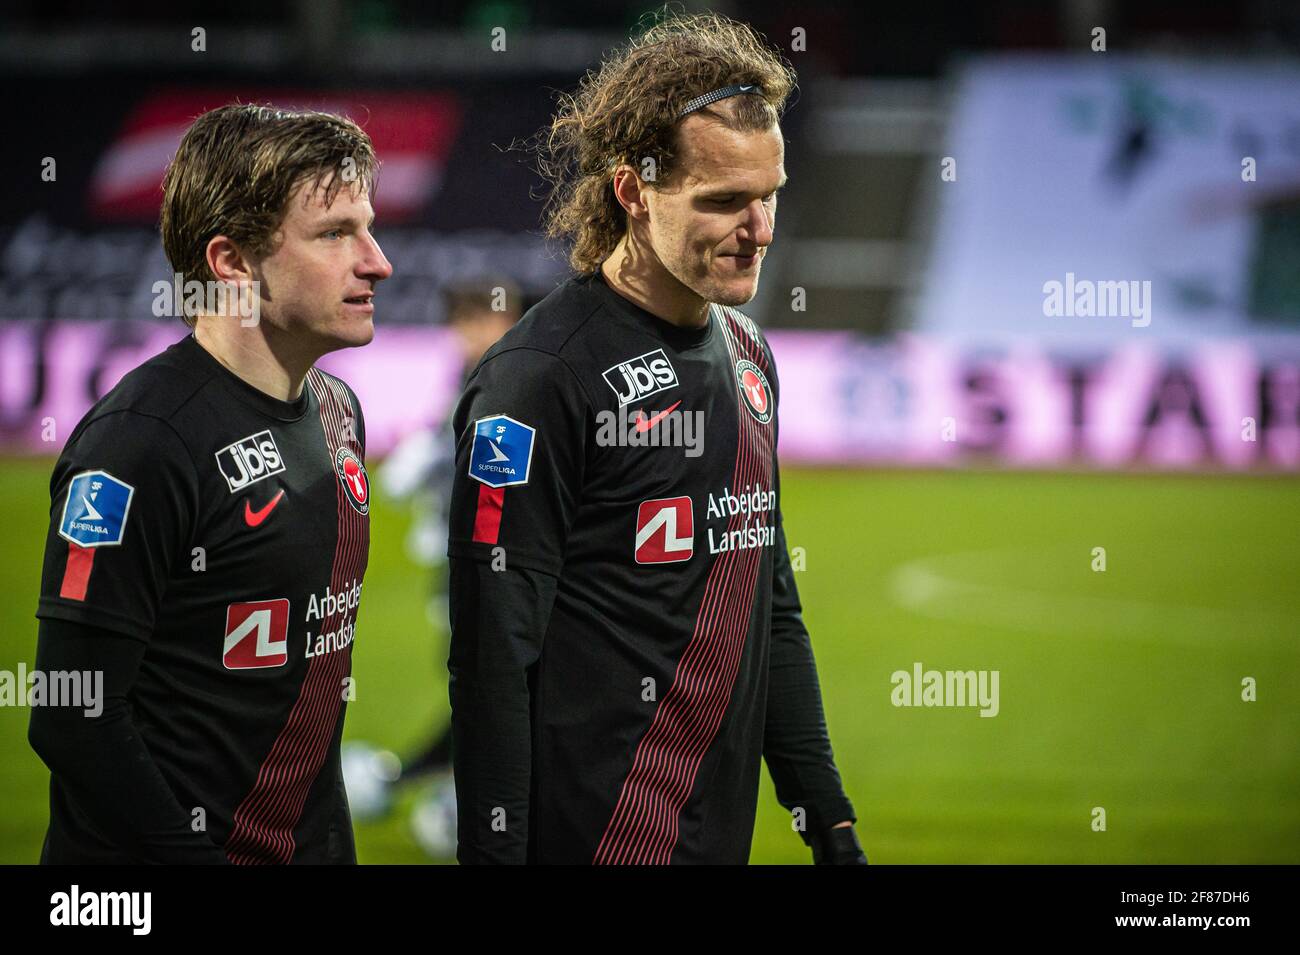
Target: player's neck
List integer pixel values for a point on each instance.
(265, 361)
(636, 273)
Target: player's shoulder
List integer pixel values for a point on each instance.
(141, 418)
(549, 347)
(554, 325)
(159, 388)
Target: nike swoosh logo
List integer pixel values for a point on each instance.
(252, 518)
(644, 424)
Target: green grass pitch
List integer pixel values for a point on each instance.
(1119, 689)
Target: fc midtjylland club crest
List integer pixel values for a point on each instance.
(352, 475)
(755, 390)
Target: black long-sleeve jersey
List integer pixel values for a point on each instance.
(228, 532)
(627, 641)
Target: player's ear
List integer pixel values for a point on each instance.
(227, 261)
(628, 189)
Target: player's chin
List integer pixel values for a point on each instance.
(352, 331)
(735, 291)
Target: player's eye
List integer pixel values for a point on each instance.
(331, 232)
(722, 200)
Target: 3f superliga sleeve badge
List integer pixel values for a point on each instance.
(502, 451)
(94, 512)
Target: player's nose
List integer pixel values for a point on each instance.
(374, 265)
(759, 223)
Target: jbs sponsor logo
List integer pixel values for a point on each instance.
(249, 460)
(641, 376)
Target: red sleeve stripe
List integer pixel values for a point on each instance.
(76, 575)
(487, 519)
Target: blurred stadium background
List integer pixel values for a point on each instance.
(954, 448)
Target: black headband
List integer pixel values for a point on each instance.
(709, 98)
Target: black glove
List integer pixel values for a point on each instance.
(838, 847)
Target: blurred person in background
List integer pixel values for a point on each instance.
(419, 470)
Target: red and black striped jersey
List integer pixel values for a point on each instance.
(229, 532)
(621, 593)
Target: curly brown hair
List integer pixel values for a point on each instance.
(628, 111)
(236, 168)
